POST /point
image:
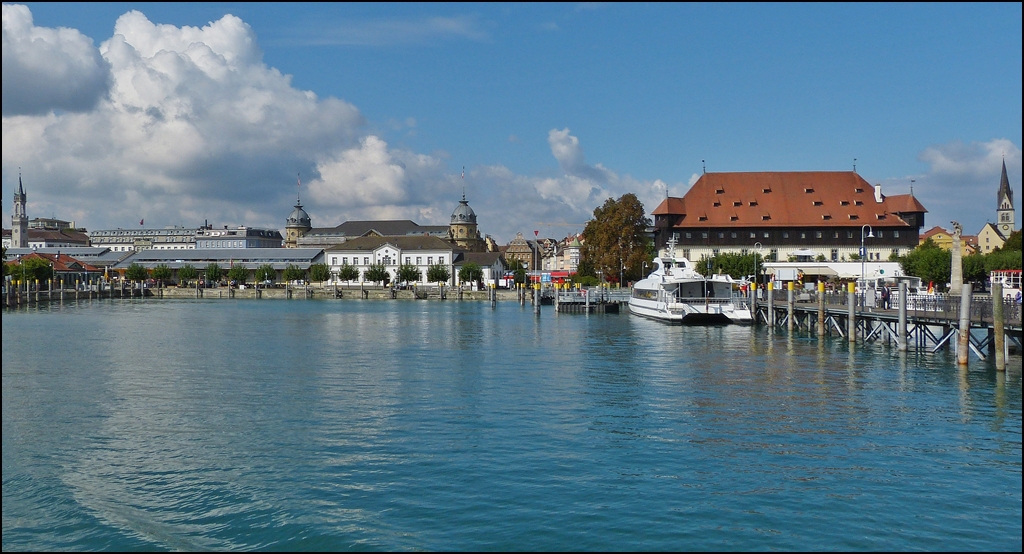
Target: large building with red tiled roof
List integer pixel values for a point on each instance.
(815, 213)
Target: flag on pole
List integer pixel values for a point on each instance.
(142, 222)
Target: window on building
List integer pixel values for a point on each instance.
(721, 235)
(366, 260)
(849, 234)
(835, 234)
(686, 253)
(732, 235)
(835, 254)
(689, 235)
(419, 260)
(440, 259)
(408, 260)
(714, 252)
(817, 234)
(896, 252)
(774, 254)
(895, 234)
(430, 260)
(704, 235)
(753, 234)
(803, 235)
(881, 234)
(766, 234)
(785, 234)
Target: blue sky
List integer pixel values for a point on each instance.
(551, 108)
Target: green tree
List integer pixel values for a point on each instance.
(617, 237)
(162, 273)
(973, 267)
(929, 262)
(239, 274)
(1003, 259)
(348, 273)
(136, 272)
(294, 273)
(319, 272)
(407, 272)
(213, 272)
(264, 273)
(730, 263)
(1012, 244)
(376, 273)
(518, 269)
(33, 268)
(438, 273)
(471, 272)
(187, 273)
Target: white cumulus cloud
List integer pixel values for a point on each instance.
(191, 126)
(48, 69)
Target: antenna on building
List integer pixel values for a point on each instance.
(855, 165)
(912, 181)
(703, 166)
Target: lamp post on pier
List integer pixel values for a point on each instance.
(863, 254)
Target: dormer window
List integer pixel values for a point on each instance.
(858, 203)
(766, 217)
(753, 202)
(844, 202)
(737, 203)
(734, 218)
(880, 216)
(702, 218)
(719, 191)
(854, 216)
(818, 203)
(808, 190)
(858, 190)
(766, 190)
(826, 217)
(717, 204)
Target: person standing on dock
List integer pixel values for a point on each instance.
(886, 295)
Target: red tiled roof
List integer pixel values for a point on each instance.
(64, 263)
(934, 231)
(786, 199)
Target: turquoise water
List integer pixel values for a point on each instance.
(379, 425)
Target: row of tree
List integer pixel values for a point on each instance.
(376, 273)
(933, 264)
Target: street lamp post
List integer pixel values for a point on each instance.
(863, 254)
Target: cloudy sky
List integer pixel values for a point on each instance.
(183, 113)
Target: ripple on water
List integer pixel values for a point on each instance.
(412, 425)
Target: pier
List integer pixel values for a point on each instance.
(920, 322)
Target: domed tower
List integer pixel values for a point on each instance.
(297, 225)
(463, 229)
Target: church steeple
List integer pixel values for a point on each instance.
(1006, 216)
(19, 220)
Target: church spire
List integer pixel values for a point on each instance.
(1004, 187)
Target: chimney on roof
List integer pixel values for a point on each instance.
(878, 194)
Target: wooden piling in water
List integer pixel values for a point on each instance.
(998, 324)
(851, 313)
(771, 305)
(963, 343)
(821, 308)
(789, 307)
(901, 327)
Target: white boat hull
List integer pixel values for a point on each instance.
(694, 312)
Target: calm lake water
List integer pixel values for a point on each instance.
(380, 425)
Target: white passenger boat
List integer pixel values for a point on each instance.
(676, 292)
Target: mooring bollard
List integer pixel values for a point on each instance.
(851, 312)
(901, 327)
(789, 306)
(964, 333)
(998, 326)
(821, 308)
